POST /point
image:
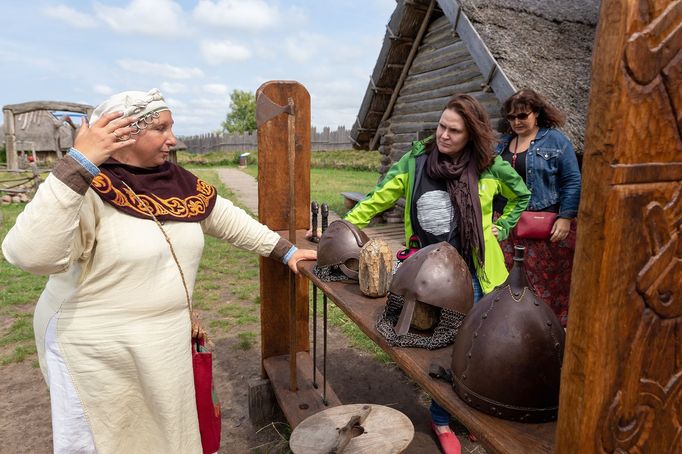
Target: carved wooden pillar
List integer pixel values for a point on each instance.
(621, 385)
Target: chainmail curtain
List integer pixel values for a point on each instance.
(443, 334)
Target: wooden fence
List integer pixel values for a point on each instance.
(326, 140)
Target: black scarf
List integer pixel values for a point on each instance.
(461, 179)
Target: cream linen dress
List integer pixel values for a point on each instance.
(116, 300)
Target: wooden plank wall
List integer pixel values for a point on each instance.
(442, 67)
(325, 140)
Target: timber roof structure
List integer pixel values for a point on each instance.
(433, 49)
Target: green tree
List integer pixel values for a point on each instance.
(242, 115)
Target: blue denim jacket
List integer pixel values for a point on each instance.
(552, 173)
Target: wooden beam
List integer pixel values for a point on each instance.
(308, 400)
(10, 140)
(48, 105)
(406, 68)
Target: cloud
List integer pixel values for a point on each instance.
(175, 103)
(145, 17)
(217, 52)
(302, 47)
(102, 89)
(216, 89)
(251, 15)
(172, 87)
(159, 69)
(70, 16)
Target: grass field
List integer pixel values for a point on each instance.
(224, 272)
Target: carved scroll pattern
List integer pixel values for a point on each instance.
(646, 410)
(654, 52)
(645, 413)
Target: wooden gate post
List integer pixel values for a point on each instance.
(273, 211)
(621, 388)
(10, 140)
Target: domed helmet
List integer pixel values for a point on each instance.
(435, 275)
(507, 354)
(340, 245)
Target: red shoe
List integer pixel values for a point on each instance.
(449, 443)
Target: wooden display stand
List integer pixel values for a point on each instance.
(621, 388)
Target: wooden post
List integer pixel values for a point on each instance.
(273, 211)
(621, 383)
(10, 141)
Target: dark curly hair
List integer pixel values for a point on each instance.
(527, 99)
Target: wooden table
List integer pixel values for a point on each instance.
(497, 435)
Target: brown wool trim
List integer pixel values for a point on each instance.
(280, 249)
(71, 173)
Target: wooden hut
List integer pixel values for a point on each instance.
(436, 48)
(33, 127)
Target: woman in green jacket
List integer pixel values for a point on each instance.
(449, 182)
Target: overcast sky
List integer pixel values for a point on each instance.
(195, 52)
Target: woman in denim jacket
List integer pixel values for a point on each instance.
(545, 159)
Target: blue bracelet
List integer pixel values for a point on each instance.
(288, 255)
(82, 160)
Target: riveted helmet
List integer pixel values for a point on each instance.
(340, 245)
(507, 354)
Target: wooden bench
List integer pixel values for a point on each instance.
(497, 435)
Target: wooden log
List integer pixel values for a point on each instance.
(438, 29)
(262, 402)
(440, 78)
(622, 372)
(414, 102)
(376, 268)
(430, 118)
(450, 54)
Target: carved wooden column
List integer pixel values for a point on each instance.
(621, 385)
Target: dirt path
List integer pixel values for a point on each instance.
(356, 376)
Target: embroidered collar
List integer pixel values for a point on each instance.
(171, 192)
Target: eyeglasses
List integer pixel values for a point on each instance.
(521, 116)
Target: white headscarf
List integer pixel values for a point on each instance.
(131, 103)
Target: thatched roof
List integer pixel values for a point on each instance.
(498, 47)
(545, 45)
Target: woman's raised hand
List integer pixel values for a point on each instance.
(109, 133)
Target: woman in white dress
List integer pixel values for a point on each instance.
(112, 327)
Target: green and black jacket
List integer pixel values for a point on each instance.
(499, 178)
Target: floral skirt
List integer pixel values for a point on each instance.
(548, 266)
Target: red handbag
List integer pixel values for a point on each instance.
(208, 405)
(535, 225)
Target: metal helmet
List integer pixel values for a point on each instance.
(435, 275)
(507, 354)
(340, 245)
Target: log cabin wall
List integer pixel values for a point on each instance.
(441, 68)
